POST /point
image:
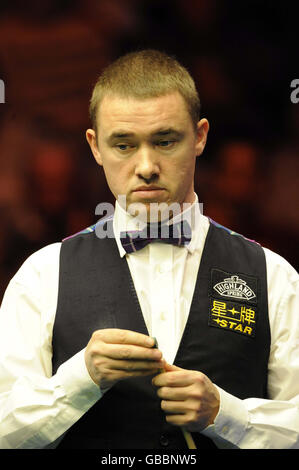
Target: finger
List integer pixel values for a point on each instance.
(173, 393)
(174, 407)
(119, 336)
(130, 352)
(176, 419)
(171, 367)
(116, 375)
(135, 373)
(180, 378)
(131, 366)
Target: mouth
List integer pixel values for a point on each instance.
(150, 191)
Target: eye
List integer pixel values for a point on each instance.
(124, 147)
(166, 143)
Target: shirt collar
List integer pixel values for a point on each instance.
(123, 221)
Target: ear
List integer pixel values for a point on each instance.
(201, 135)
(92, 140)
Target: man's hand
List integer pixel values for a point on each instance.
(189, 398)
(113, 354)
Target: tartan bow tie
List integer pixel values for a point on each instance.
(178, 234)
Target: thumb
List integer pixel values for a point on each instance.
(170, 367)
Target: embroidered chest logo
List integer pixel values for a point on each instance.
(232, 316)
(234, 287)
(233, 302)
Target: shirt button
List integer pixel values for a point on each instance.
(164, 441)
(162, 316)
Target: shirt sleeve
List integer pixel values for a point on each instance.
(36, 408)
(269, 423)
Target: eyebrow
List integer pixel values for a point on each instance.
(168, 132)
(159, 133)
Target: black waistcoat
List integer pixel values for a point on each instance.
(227, 335)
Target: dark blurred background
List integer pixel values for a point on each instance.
(243, 56)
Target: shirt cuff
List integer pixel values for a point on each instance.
(231, 421)
(79, 387)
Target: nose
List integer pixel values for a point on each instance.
(147, 165)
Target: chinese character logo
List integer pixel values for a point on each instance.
(234, 317)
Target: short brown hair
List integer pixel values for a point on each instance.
(145, 74)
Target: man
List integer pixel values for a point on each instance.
(78, 364)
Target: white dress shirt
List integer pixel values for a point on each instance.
(36, 408)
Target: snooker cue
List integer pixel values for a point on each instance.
(187, 435)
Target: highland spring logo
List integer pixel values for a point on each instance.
(2, 92)
(234, 287)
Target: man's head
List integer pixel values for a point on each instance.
(147, 133)
(145, 74)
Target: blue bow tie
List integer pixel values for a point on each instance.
(178, 234)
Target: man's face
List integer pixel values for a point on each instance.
(148, 148)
